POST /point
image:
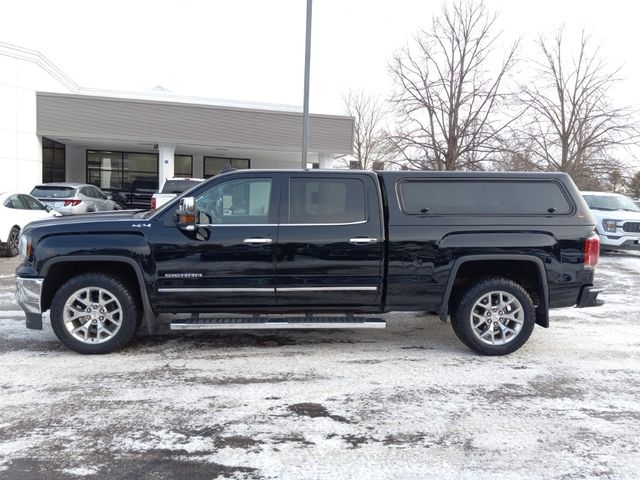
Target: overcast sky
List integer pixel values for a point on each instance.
(253, 50)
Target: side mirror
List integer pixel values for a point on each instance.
(109, 196)
(186, 214)
(48, 208)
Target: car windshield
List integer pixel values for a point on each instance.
(178, 186)
(611, 202)
(45, 191)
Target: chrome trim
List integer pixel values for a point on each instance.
(28, 293)
(214, 289)
(325, 289)
(274, 325)
(362, 240)
(263, 290)
(237, 224)
(360, 222)
(257, 241)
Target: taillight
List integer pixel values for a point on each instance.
(591, 251)
(72, 203)
(153, 203)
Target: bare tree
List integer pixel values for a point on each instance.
(573, 124)
(369, 139)
(450, 91)
(634, 185)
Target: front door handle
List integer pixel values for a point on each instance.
(362, 240)
(257, 241)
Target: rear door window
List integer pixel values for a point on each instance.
(487, 197)
(326, 200)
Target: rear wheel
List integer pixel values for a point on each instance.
(494, 316)
(94, 313)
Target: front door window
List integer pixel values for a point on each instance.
(242, 201)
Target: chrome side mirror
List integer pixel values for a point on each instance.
(186, 214)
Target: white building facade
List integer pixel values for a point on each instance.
(53, 130)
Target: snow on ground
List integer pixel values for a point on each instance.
(408, 402)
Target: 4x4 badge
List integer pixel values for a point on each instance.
(140, 225)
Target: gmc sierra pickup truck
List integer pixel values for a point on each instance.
(318, 249)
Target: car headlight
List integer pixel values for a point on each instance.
(609, 225)
(26, 249)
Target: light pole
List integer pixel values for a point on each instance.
(305, 108)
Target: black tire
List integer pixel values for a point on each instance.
(461, 318)
(12, 247)
(127, 314)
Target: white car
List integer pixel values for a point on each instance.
(617, 220)
(16, 210)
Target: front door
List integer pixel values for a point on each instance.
(228, 262)
(330, 242)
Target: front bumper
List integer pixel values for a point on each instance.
(28, 294)
(589, 297)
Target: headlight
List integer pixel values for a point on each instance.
(609, 225)
(26, 250)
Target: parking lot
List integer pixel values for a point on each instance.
(406, 402)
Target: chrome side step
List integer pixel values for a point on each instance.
(260, 323)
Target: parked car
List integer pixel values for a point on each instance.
(74, 198)
(142, 189)
(492, 251)
(617, 220)
(16, 210)
(172, 188)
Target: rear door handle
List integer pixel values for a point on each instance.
(257, 241)
(362, 240)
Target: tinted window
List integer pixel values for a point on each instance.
(326, 200)
(32, 203)
(236, 201)
(483, 198)
(44, 191)
(178, 186)
(97, 193)
(15, 201)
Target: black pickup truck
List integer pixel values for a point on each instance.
(318, 249)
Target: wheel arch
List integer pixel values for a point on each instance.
(58, 270)
(500, 264)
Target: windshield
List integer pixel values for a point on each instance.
(44, 191)
(611, 202)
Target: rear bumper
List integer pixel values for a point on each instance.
(28, 293)
(589, 297)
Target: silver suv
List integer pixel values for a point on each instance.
(74, 198)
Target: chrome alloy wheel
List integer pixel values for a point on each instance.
(497, 318)
(92, 315)
(14, 242)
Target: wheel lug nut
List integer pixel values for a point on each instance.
(88, 309)
(101, 318)
(93, 322)
(102, 310)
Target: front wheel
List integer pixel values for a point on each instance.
(494, 316)
(94, 313)
(13, 243)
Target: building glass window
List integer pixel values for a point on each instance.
(183, 166)
(213, 165)
(119, 170)
(53, 161)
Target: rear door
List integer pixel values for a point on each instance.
(330, 241)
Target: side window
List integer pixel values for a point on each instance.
(32, 203)
(14, 201)
(490, 197)
(86, 191)
(97, 193)
(237, 201)
(326, 200)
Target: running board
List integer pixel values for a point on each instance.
(257, 323)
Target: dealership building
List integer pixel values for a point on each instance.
(52, 130)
